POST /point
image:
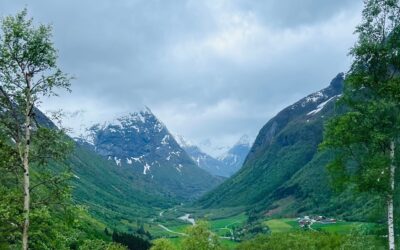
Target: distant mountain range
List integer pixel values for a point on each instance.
(284, 173)
(224, 165)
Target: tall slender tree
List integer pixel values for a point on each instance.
(28, 72)
(365, 137)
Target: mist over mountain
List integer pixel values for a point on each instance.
(226, 164)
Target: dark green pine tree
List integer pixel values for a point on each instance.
(366, 136)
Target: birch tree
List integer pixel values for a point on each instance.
(365, 138)
(28, 72)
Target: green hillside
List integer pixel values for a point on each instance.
(284, 173)
(113, 195)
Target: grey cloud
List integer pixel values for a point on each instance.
(209, 69)
(292, 13)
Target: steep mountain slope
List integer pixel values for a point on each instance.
(111, 194)
(141, 144)
(234, 158)
(284, 173)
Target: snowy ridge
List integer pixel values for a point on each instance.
(182, 141)
(137, 139)
(320, 106)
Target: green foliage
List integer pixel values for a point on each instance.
(115, 196)
(361, 141)
(27, 51)
(10, 194)
(131, 241)
(100, 245)
(50, 145)
(376, 58)
(28, 71)
(311, 240)
(364, 139)
(361, 136)
(199, 237)
(163, 244)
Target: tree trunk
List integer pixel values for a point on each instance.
(391, 235)
(27, 196)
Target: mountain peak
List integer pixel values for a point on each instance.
(337, 82)
(244, 140)
(134, 119)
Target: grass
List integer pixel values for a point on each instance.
(286, 225)
(341, 227)
(228, 222)
(282, 225)
(180, 228)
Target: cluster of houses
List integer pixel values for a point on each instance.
(306, 221)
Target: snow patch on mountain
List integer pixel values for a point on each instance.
(315, 97)
(320, 106)
(117, 161)
(179, 167)
(146, 168)
(164, 140)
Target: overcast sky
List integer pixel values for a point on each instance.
(210, 70)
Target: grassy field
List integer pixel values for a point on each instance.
(289, 225)
(342, 227)
(282, 225)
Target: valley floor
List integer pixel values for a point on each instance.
(172, 224)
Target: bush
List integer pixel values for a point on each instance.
(199, 237)
(312, 241)
(100, 245)
(162, 244)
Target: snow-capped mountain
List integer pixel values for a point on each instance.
(213, 147)
(225, 165)
(202, 160)
(234, 158)
(141, 143)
